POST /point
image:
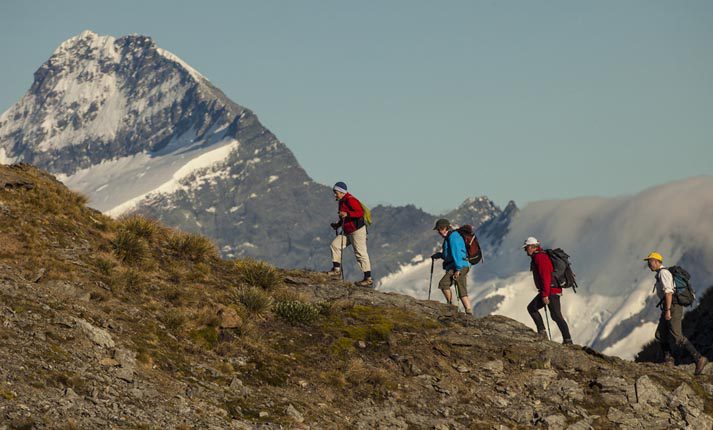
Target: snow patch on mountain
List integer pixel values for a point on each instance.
(193, 72)
(4, 158)
(117, 186)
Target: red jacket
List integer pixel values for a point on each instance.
(541, 267)
(355, 214)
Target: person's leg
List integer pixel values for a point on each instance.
(676, 332)
(461, 285)
(662, 338)
(555, 307)
(534, 310)
(358, 240)
(337, 247)
(445, 285)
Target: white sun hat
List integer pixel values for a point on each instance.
(530, 241)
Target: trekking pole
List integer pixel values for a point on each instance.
(341, 255)
(549, 333)
(430, 282)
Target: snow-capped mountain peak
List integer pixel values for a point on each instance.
(99, 97)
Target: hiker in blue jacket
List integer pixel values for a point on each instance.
(455, 263)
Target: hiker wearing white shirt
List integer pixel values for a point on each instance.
(670, 327)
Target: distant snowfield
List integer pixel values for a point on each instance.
(117, 186)
(607, 238)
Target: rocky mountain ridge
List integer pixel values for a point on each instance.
(128, 324)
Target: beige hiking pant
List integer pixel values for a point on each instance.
(358, 242)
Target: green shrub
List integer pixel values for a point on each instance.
(256, 300)
(130, 248)
(258, 274)
(192, 247)
(296, 312)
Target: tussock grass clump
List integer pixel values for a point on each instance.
(142, 227)
(255, 300)
(284, 294)
(191, 247)
(258, 274)
(130, 248)
(297, 312)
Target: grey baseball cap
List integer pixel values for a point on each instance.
(442, 223)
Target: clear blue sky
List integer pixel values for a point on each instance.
(430, 102)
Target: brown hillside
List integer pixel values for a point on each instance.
(127, 324)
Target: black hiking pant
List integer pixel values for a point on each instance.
(669, 334)
(555, 310)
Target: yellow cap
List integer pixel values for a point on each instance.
(654, 255)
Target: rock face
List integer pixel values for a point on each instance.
(135, 128)
(99, 341)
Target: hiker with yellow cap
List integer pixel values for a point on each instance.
(670, 327)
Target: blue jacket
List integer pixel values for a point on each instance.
(455, 256)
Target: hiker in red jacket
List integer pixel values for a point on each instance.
(549, 293)
(351, 220)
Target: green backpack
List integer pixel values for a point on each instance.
(367, 212)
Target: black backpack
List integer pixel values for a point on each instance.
(684, 294)
(562, 274)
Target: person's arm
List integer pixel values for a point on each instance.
(457, 248)
(668, 289)
(353, 208)
(668, 301)
(544, 271)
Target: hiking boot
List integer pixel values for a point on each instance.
(700, 364)
(543, 334)
(336, 271)
(469, 311)
(366, 282)
(567, 342)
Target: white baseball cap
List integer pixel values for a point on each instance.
(530, 241)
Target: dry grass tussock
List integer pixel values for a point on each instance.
(257, 302)
(191, 247)
(130, 248)
(258, 274)
(142, 227)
